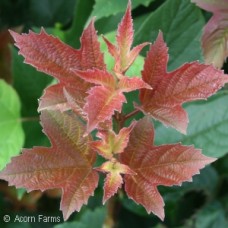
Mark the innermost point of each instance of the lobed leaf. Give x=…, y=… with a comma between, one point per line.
x=111, y=143
x=113, y=180
x=66, y=165
x=51, y=56
x=109, y=95
x=192, y=81
x=157, y=165
x=122, y=53
x=208, y=133
x=47, y=54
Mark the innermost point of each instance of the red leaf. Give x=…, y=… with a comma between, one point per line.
x=111, y=143
x=58, y=97
x=105, y=99
x=215, y=36
x=211, y=5
x=47, y=54
x=66, y=165
x=145, y=194
x=122, y=53
x=54, y=99
x=99, y=77
x=157, y=165
x=90, y=54
x=114, y=180
x=51, y=56
x=130, y=84
x=101, y=104
x=192, y=81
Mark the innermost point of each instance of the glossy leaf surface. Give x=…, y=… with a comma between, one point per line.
x=192, y=81
x=109, y=94
x=111, y=143
x=167, y=165
x=66, y=165
x=122, y=53
x=113, y=180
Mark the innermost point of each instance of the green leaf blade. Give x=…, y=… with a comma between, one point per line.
x=181, y=24
x=11, y=134
x=208, y=127
x=114, y=7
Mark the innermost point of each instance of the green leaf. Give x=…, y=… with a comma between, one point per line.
x=48, y=12
x=14, y=13
x=211, y=216
x=82, y=11
x=133, y=207
x=108, y=24
x=182, y=23
x=89, y=218
x=222, y=165
x=104, y=8
x=207, y=130
x=11, y=134
x=207, y=182
x=20, y=193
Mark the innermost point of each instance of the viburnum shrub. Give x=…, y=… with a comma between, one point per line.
x=88, y=99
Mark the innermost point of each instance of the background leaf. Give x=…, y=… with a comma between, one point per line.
x=11, y=134
x=210, y=216
x=208, y=127
x=181, y=24
x=72, y=36
x=48, y=12
x=96, y=218
x=105, y=8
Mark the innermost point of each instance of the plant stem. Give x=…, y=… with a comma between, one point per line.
x=129, y=115
x=109, y=220
x=32, y=118
x=113, y=204
x=119, y=118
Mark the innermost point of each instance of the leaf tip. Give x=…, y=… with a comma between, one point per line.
x=15, y=35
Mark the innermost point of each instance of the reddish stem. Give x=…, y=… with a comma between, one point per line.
x=32, y=118
x=129, y=115
x=113, y=205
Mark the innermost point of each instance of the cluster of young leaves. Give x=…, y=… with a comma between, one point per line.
x=87, y=97
x=215, y=35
